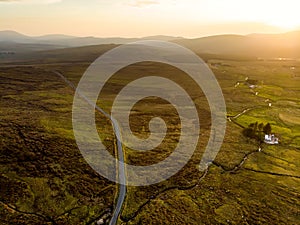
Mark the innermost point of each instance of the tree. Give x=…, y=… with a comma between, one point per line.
x=260, y=127
x=247, y=132
x=267, y=129
x=260, y=131
x=254, y=130
x=251, y=131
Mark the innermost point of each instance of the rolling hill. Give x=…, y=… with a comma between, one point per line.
x=256, y=45
x=285, y=45
x=60, y=40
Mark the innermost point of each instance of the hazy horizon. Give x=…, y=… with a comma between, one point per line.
x=167, y=35
x=141, y=18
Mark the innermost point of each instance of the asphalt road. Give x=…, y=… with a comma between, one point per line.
x=121, y=165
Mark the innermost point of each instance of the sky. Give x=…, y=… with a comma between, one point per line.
x=139, y=18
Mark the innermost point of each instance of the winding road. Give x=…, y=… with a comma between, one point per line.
x=121, y=164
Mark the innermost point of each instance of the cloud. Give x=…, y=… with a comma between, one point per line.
x=30, y=1
x=142, y=3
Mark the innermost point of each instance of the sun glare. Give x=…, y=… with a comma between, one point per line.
x=189, y=18
x=281, y=14
x=284, y=23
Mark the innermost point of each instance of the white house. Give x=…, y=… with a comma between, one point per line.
x=271, y=139
x=252, y=86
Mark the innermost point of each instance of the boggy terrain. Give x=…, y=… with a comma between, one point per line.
x=45, y=180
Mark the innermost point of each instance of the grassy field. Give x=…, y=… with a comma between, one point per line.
x=243, y=186
x=44, y=179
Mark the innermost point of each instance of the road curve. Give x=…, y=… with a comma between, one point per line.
x=121, y=164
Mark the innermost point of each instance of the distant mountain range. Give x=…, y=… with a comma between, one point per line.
x=9, y=38
x=285, y=45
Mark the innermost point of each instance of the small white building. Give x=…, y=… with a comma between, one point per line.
x=252, y=86
x=271, y=139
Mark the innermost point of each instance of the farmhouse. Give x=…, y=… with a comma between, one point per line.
x=271, y=139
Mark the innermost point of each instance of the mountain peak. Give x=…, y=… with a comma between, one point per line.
x=13, y=36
